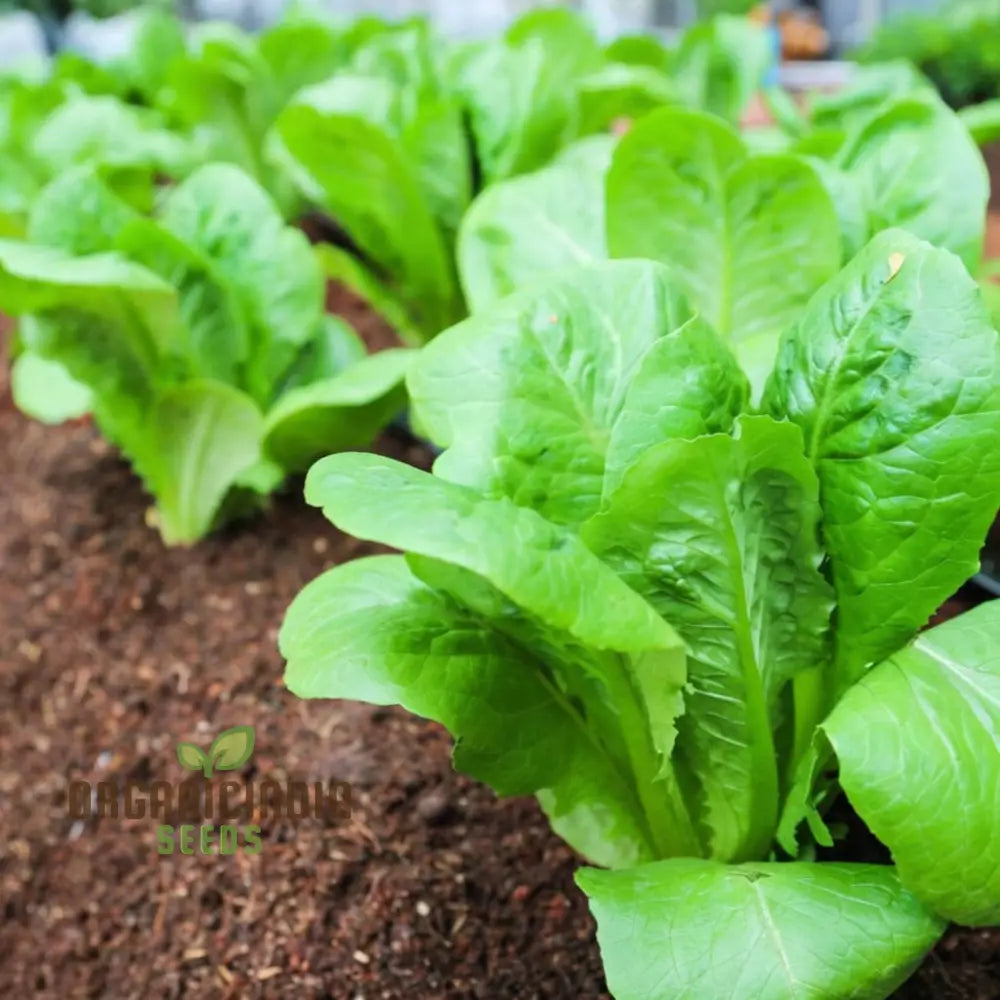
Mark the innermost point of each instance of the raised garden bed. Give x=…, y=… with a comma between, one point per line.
x=114, y=646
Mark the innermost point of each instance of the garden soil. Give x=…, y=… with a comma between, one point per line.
x=113, y=649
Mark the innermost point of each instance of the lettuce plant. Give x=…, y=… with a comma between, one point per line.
x=688, y=624
x=196, y=338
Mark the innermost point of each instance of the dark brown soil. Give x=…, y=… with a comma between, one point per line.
x=376, y=334
x=113, y=649
x=991, y=154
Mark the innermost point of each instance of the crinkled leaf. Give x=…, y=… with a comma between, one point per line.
x=687, y=384
x=892, y=374
x=79, y=213
x=41, y=280
x=106, y=131
x=213, y=340
x=719, y=534
x=223, y=91
x=525, y=398
x=107, y=321
x=553, y=575
x=690, y=930
x=544, y=572
x=223, y=213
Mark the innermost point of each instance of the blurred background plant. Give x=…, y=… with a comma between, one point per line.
x=957, y=47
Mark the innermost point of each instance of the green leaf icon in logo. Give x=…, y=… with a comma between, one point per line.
x=230, y=749
x=192, y=757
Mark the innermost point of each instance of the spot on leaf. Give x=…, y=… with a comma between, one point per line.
x=895, y=263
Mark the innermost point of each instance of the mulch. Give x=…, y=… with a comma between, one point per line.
x=113, y=649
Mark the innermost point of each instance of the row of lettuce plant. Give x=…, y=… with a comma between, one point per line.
x=156, y=281
x=420, y=162
x=397, y=105
x=750, y=232
x=692, y=512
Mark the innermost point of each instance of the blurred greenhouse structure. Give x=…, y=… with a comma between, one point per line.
x=848, y=21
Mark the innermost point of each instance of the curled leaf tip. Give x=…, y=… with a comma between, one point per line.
x=895, y=263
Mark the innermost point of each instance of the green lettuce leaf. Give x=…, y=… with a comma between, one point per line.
x=106, y=131
x=918, y=742
x=203, y=435
x=222, y=212
x=107, y=321
x=223, y=93
x=561, y=593
x=370, y=630
x=690, y=930
x=896, y=158
x=300, y=52
x=619, y=93
x=79, y=212
x=521, y=229
x=640, y=50
x=749, y=237
x=520, y=93
x=331, y=350
x=720, y=64
x=344, y=411
x=983, y=121
x=359, y=173
x=157, y=42
x=546, y=584
x=45, y=391
x=719, y=534
x=526, y=398
x=869, y=90
x=687, y=384
x=214, y=338
x=892, y=364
